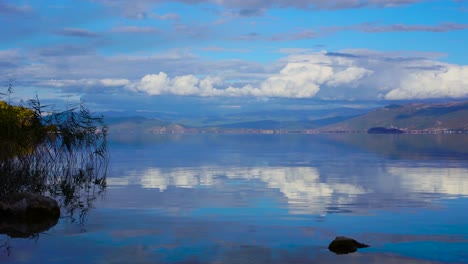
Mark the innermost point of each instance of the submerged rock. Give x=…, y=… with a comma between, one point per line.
x=27, y=214
x=345, y=245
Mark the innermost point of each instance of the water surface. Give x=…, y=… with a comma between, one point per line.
x=268, y=199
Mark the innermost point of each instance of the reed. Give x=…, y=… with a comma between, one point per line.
x=62, y=154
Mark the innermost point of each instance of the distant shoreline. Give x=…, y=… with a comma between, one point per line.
x=282, y=132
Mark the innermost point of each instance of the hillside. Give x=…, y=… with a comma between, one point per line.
x=141, y=125
x=288, y=125
x=153, y=123
x=416, y=116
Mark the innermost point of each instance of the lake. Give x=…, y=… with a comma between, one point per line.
x=267, y=199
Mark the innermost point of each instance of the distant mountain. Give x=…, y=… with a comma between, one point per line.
x=216, y=119
x=137, y=125
x=165, y=116
x=280, y=116
x=417, y=116
x=152, y=122
x=142, y=125
x=288, y=125
x=309, y=114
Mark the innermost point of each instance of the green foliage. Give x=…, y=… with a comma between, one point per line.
x=20, y=130
x=62, y=154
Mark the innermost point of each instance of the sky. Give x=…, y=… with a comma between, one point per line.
x=206, y=56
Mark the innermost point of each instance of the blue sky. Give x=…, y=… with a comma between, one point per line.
x=143, y=54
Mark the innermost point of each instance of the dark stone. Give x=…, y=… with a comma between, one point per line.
x=27, y=214
x=345, y=245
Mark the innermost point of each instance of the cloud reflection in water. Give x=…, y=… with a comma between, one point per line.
x=449, y=181
x=302, y=186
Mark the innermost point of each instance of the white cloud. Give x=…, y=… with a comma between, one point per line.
x=114, y=82
x=302, y=77
x=348, y=76
x=452, y=82
x=297, y=79
x=86, y=83
x=154, y=84
x=157, y=84
x=343, y=75
x=185, y=85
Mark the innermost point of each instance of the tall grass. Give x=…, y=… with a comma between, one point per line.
x=62, y=154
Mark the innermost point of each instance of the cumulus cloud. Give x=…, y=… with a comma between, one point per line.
x=348, y=76
x=157, y=84
x=351, y=74
x=300, y=78
x=297, y=79
x=452, y=82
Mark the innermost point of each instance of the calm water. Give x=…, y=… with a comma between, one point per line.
x=268, y=199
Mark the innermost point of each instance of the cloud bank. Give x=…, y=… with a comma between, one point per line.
x=338, y=75
x=298, y=79
x=357, y=74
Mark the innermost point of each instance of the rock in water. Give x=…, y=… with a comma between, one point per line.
x=344, y=245
x=27, y=214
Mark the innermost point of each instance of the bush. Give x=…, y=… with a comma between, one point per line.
x=20, y=130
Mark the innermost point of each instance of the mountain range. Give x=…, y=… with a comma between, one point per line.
x=412, y=116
